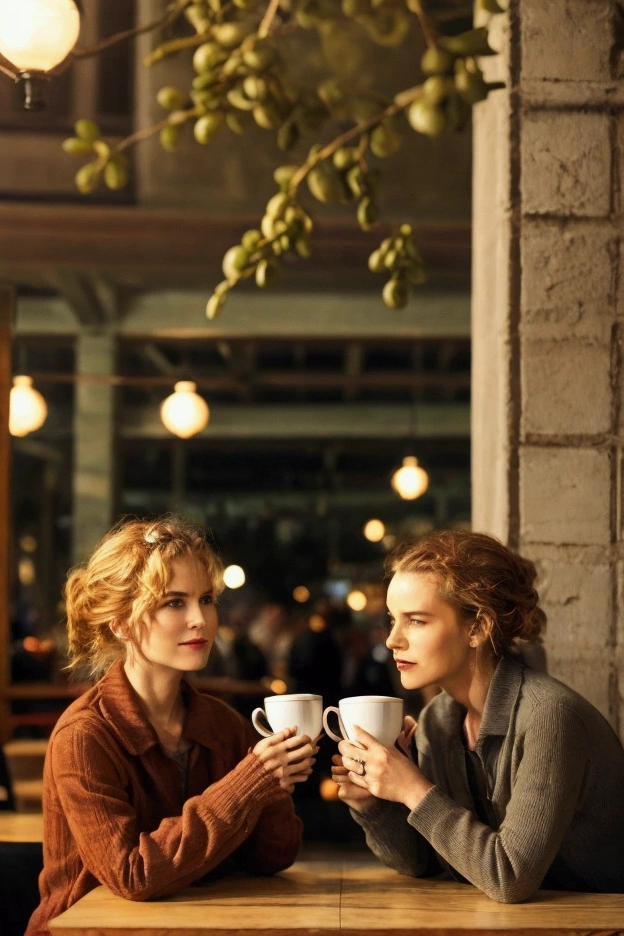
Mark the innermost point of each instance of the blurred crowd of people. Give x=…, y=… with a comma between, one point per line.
x=325, y=650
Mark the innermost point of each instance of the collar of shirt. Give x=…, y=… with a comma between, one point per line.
x=121, y=707
x=502, y=698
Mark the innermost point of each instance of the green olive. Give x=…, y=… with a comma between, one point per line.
x=88, y=178
x=385, y=140
x=234, y=261
x=206, y=128
x=207, y=56
x=74, y=146
x=171, y=98
x=267, y=274
x=325, y=184
x=117, y=172
x=426, y=118
x=437, y=61
x=169, y=138
x=86, y=129
x=395, y=293
x=214, y=306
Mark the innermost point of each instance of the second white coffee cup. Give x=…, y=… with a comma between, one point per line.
x=302, y=709
x=380, y=716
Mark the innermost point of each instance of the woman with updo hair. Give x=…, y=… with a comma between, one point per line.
x=511, y=781
x=149, y=784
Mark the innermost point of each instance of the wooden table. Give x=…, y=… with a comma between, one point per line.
x=21, y=827
x=345, y=897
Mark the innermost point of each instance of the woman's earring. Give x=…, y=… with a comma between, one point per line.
x=119, y=632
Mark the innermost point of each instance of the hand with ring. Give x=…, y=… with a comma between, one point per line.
x=385, y=773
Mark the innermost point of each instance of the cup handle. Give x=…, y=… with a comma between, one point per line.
x=333, y=708
x=262, y=727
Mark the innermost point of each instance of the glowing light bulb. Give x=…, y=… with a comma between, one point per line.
x=184, y=412
x=27, y=408
x=36, y=35
x=410, y=480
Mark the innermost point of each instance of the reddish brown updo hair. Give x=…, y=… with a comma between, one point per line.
x=490, y=586
x=125, y=579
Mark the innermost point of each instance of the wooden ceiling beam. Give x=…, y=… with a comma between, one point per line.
x=135, y=241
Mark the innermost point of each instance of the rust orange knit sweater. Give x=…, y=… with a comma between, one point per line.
x=114, y=811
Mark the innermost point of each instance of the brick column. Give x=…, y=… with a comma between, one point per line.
x=547, y=325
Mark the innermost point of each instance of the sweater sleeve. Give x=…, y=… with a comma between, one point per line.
x=275, y=840
x=510, y=863
x=394, y=841
x=90, y=781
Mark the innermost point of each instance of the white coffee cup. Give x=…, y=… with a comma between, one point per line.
x=302, y=709
x=380, y=716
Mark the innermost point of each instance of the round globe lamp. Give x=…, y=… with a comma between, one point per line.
x=410, y=480
x=27, y=408
x=35, y=37
x=184, y=412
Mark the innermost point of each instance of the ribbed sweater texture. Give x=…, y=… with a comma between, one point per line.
x=553, y=771
x=112, y=802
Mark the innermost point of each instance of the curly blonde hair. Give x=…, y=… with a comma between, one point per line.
x=123, y=580
x=490, y=586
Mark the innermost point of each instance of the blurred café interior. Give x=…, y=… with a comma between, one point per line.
x=317, y=392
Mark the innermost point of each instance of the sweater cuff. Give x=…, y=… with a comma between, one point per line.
x=244, y=792
x=427, y=813
x=377, y=811
x=255, y=782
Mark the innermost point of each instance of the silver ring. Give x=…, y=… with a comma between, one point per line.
x=361, y=763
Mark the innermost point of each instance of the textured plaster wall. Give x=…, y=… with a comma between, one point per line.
x=547, y=326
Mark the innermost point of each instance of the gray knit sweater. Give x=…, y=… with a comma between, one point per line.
x=552, y=772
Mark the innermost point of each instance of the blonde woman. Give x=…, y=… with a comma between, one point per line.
x=515, y=781
x=149, y=784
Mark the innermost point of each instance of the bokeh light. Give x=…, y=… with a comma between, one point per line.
x=317, y=623
x=234, y=576
x=374, y=531
x=328, y=789
x=301, y=594
x=357, y=600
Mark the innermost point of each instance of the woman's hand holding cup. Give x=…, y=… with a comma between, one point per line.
x=291, y=725
x=354, y=796
x=288, y=756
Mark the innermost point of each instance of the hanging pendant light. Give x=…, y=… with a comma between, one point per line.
x=184, y=413
x=27, y=408
x=410, y=480
x=35, y=37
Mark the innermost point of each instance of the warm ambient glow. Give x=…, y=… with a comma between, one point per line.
x=410, y=480
x=27, y=408
x=328, y=789
x=357, y=600
x=234, y=576
x=36, y=35
x=184, y=413
x=301, y=594
x=374, y=531
x=278, y=686
x=317, y=623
